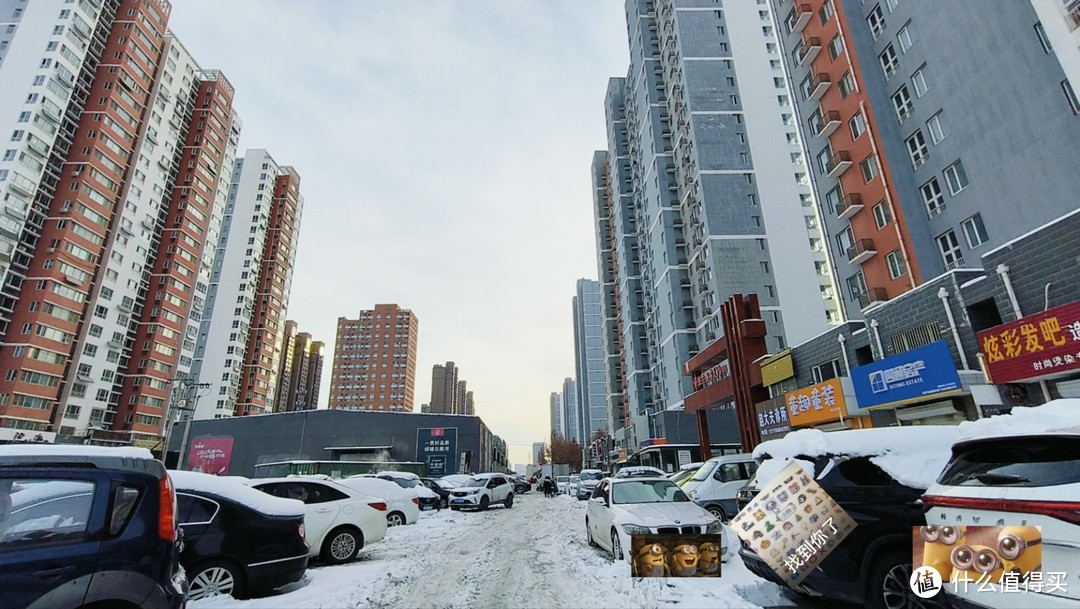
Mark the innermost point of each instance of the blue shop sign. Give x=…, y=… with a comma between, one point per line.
x=911, y=375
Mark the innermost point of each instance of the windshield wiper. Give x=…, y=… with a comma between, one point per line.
x=993, y=479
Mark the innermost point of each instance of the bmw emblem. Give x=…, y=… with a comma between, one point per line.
x=677, y=522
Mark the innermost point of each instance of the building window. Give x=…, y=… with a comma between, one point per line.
x=904, y=38
x=847, y=85
x=889, y=61
x=836, y=47
x=1043, y=40
x=891, y=4
x=832, y=199
x=823, y=160
x=857, y=124
x=955, y=177
x=936, y=128
x=933, y=197
x=876, y=21
x=869, y=168
x=917, y=149
x=918, y=80
x=845, y=240
x=826, y=371
x=1070, y=95
x=856, y=285
x=950, y=250
x=881, y=214
x=975, y=231
x=902, y=103
x=896, y=264
x=825, y=12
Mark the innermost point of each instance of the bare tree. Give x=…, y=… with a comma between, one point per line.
x=565, y=451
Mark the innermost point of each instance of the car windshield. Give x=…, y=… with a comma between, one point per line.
x=475, y=483
x=404, y=482
x=1022, y=462
x=704, y=471
x=647, y=491
x=678, y=477
x=591, y=475
x=445, y=484
x=563, y=478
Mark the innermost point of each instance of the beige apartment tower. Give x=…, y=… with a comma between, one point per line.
x=375, y=360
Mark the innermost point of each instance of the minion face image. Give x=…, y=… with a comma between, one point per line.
x=649, y=561
x=708, y=559
x=974, y=563
x=683, y=560
x=938, y=543
x=1020, y=549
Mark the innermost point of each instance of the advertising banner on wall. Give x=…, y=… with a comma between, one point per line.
x=773, y=420
x=1034, y=346
x=436, y=447
x=925, y=371
x=210, y=455
x=816, y=403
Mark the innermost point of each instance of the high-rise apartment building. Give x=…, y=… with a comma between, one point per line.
x=705, y=194
x=570, y=414
x=470, y=405
x=113, y=187
x=555, y=403
x=375, y=360
x=589, y=358
x=444, y=383
x=1058, y=30
x=924, y=159
x=611, y=284
x=300, y=370
x=537, y=451
x=240, y=340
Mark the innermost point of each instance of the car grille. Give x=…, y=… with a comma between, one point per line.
x=460, y=494
x=677, y=530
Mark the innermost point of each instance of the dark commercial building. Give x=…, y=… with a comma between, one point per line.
x=441, y=443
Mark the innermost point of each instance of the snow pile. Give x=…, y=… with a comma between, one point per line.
x=236, y=491
x=73, y=450
x=402, y=475
x=913, y=456
x=1056, y=415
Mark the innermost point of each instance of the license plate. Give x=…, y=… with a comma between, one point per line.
x=425, y=507
x=457, y=501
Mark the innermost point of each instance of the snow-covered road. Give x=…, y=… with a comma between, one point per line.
x=533, y=555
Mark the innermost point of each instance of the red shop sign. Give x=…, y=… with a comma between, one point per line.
x=1034, y=346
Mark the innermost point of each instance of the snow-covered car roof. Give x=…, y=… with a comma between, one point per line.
x=1056, y=417
x=402, y=475
x=235, y=490
x=617, y=480
x=639, y=470
x=692, y=466
x=73, y=450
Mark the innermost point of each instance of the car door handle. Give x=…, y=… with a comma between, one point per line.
x=324, y=510
x=54, y=573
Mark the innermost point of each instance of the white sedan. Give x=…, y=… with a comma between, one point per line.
x=403, y=506
x=621, y=507
x=338, y=521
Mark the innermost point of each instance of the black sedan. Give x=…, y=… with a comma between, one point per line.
x=231, y=548
x=441, y=488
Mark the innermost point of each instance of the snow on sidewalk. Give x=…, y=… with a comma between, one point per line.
x=533, y=555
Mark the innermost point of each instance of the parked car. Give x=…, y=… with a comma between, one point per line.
x=1017, y=469
x=562, y=483
x=237, y=540
x=684, y=473
x=402, y=506
x=482, y=491
x=338, y=521
x=440, y=487
x=638, y=505
x=715, y=484
x=87, y=525
x=589, y=478
x=426, y=498
x=521, y=485
x=572, y=488
x=640, y=471
x=457, y=479
x=877, y=476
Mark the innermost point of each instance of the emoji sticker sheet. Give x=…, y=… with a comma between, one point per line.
x=792, y=524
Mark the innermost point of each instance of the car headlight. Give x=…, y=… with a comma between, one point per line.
x=636, y=529
x=714, y=527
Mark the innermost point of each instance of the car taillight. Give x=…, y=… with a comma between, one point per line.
x=379, y=506
x=416, y=500
x=166, y=510
x=300, y=530
x=1069, y=511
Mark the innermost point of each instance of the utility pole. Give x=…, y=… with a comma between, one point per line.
x=197, y=391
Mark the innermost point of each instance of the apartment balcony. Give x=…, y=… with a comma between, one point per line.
x=818, y=86
x=862, y=251
x=849, y=206
x=871, y=296
x=828, y=123
x=810, y=49
x=838, y=164
x=802, y=17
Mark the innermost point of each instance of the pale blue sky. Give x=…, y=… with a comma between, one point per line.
x=444, y=150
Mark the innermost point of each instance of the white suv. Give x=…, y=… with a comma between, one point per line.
x=481, y=491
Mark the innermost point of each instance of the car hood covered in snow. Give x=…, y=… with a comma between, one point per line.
x=662, y=514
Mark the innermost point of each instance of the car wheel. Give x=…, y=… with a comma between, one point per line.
x=445, y=502
x=509, y=503
x=341, y=545
x=213, y=578
x=588, y=535
x=718, y=511
x=484, y=502
x=616, y=547
x=889, y=584
x=395, y=519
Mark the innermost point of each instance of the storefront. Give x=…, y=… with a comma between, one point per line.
x=829, y=406
x=917, y=387
x=1044, y=348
